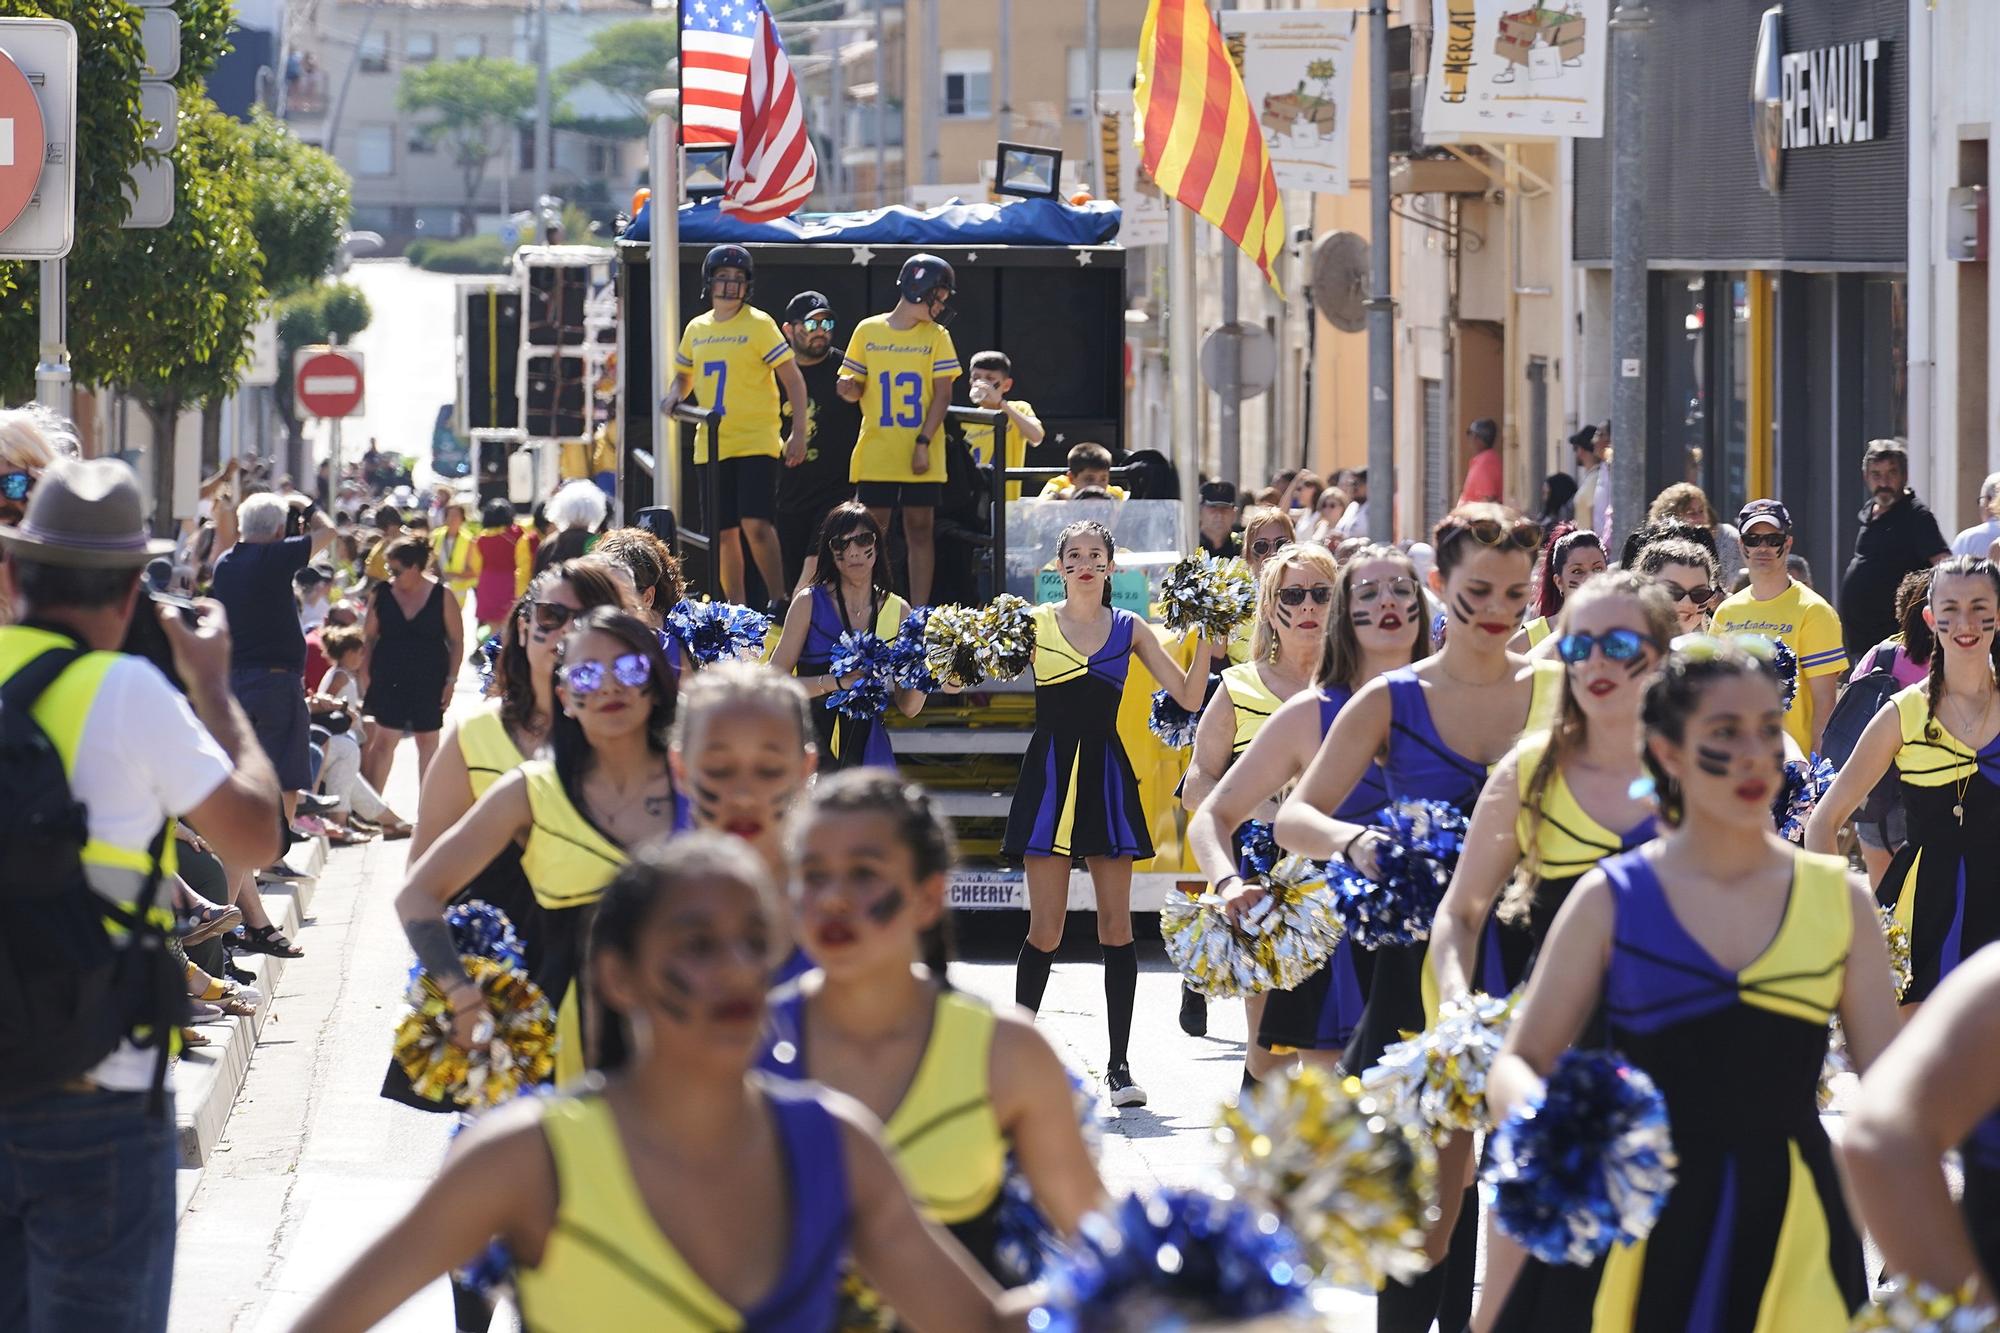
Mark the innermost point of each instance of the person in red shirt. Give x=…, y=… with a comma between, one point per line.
x=1482, y=474
x=493, y=591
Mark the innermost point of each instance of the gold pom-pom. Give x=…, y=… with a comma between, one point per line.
x=514, y=1048
x=1357, y=1186
x=1280, y=941
x=1438, y=1077
x=1004, y=641
x=951, y=646
x=1897, y=937
x=1921, y=1309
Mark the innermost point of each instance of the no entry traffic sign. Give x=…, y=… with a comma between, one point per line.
x=22, y=142
x=37, y=138
x=327, y=382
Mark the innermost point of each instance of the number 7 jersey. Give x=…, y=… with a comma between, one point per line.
x=896, y=368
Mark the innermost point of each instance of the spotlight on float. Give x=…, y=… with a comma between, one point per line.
x=706, y=174
x=1027, y=171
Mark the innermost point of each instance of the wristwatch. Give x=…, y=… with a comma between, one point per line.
x=1222, y=884
x=924, y=440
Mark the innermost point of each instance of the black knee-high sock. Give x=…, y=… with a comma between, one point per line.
x=1444, y=1294
x=1031, y=976
x=1121, y=988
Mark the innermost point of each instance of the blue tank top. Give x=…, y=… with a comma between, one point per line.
x=1372, y=792
x=806, y=1296
x=1420, y=765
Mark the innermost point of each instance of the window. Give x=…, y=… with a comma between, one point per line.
x=469, y=46
x=603, y=157
x=375, y=150
x=420, y=48
x=418, y=143
x=968, y=84
x=373, y=53
x=435, y=221
x=1115, y=69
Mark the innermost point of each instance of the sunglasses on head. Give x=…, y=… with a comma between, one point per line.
x=864, y=540
x=1619, y=645
x=1700, y=595
x=16, y=485
x=1712, y=647
x=583, y=679
x=1753, y=540
x=1522, y=536
x=550, y=616
x=1320, y=593
x=1264, y=546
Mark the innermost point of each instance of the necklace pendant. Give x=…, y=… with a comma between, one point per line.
x=1959, y=811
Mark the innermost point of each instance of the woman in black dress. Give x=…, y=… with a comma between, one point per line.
x=415, y=633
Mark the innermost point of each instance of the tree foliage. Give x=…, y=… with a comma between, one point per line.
x=300, y=206
x=321, y=312
x=467, y=103
x=628, y=60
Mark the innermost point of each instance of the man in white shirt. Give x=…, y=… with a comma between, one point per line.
x=1979, y=538
x=1592, y=446
x=1353, y=521
x=87, y=1209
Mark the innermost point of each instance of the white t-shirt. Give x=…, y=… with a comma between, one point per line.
x=1976, y=539
x=143, y=756
x=1353, y=521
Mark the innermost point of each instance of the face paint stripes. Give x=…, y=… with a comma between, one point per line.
x=672, y=981
x=707, y=802
x=1461, y=606
x=1715, y=763
x=885, y=908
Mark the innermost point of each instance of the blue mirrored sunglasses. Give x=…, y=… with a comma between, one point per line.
x=631, y=670
x=16, y=485
x=818, y=322
x=1619, y=645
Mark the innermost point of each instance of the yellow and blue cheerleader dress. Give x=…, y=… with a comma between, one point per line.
x=1078, y=795
x=607, y=1264
x=846, y=742
x=1755, y=1235
x=1944, y=886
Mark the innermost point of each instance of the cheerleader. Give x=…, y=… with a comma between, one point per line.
x=652, y=574
x=1571, y=556
x=1937, y=1087
x=1437, y=725
x=1078, y=796
x=1719, y=954
x=957, y=1086
x=742, y=754
x=1943, y=737
x=1560, y=801
x=649, y=1198
x=1687, y=571
x=605, y=788
x=848, y=592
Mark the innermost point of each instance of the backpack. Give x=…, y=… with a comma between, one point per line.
x=71, y=989
x=1858, y=704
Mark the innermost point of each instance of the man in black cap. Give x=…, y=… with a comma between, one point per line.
x=808, y=491
x=1219, y=536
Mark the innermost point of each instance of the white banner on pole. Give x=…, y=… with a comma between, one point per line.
x=1501, y=69
x=1144, y=208
x=1297, y=69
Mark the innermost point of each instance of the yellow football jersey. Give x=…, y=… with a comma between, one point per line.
x=979, y=439
x=896, y=368
x=734, y=364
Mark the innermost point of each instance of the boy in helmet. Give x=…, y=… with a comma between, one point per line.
x=741, y=357
x=899, y=367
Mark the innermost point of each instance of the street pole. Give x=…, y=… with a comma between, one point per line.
x=52, y=383
x=1381, y=306
x=542, y=112
x=1183, y=358
x=881, y=110
x=837, y=140
x=664, y=283
x=1003, y=74
x=1093, y=148
x=1229, y=384
x=1630, y=27
x=933, y=92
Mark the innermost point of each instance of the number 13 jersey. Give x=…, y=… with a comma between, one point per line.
x=895, y=368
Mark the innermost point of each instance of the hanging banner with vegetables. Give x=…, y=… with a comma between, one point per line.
x=1500, y=69
x=1297, y=68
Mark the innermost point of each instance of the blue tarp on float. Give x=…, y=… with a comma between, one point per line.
x=1026, y=222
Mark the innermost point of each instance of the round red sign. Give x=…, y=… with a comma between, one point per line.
x=328, y=384
x=21, y=142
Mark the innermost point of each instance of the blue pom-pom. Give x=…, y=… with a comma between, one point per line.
x=1438, y=626
x=1026, y=1242
x=1180, y=1258
x=719, y=631
x=487, y=662
x=907, y=666
x=1806, y=780
x=1256, y=848
x=1174, y=725
x=491, y=1272
x=1586, y=1165
x=1420, y=847
x=1788, y=671
x=858, y=653
x=480, y=929
x=865, y=700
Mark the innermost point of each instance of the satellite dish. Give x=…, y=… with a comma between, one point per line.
x=1340, y=280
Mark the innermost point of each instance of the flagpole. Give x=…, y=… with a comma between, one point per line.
x=1182, y=359
x=664, y=272
x=1381, y=305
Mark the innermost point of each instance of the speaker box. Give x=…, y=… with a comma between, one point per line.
x=490, y=389
x=555, y=396
x=556, y=294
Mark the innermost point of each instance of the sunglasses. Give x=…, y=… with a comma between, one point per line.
x=817, y=322
x=584, y=679
x=1700, y=596
x=1753, y=540
x=864, y=540
x=550, y=616
x=16, y=485
x=1264, y=546
x=1711, y=647
x=1320, y=593
x=1618, y=645
x=1521, y=536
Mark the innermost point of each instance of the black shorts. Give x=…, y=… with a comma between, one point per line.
x=904, y=494
x=275, y=704
x=749, y=489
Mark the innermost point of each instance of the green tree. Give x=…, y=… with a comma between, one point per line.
x=301, y=200
x=469, y=102
x=321, y=312
x=628, y=60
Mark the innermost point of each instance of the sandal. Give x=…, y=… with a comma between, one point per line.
x=193, y=1037
x=232, y=997
x=208, y=921
x=271, y=941
x=343, y=837
x=394, y=829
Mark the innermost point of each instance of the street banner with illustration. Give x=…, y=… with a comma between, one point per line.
x=1297, y=68
x=1144, y=208
x=1501, y=69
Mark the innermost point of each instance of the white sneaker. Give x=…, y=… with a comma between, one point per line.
x=1123, y=1091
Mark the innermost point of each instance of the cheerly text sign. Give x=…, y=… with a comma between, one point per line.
x=1830, y=96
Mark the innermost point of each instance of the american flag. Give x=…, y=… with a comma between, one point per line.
x=737, y=88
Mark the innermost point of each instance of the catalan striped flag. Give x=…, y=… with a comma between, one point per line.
x=1198, y=135
x=737, y=88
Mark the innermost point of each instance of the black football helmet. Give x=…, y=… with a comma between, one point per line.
x=727, y=256
x=922, y=278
